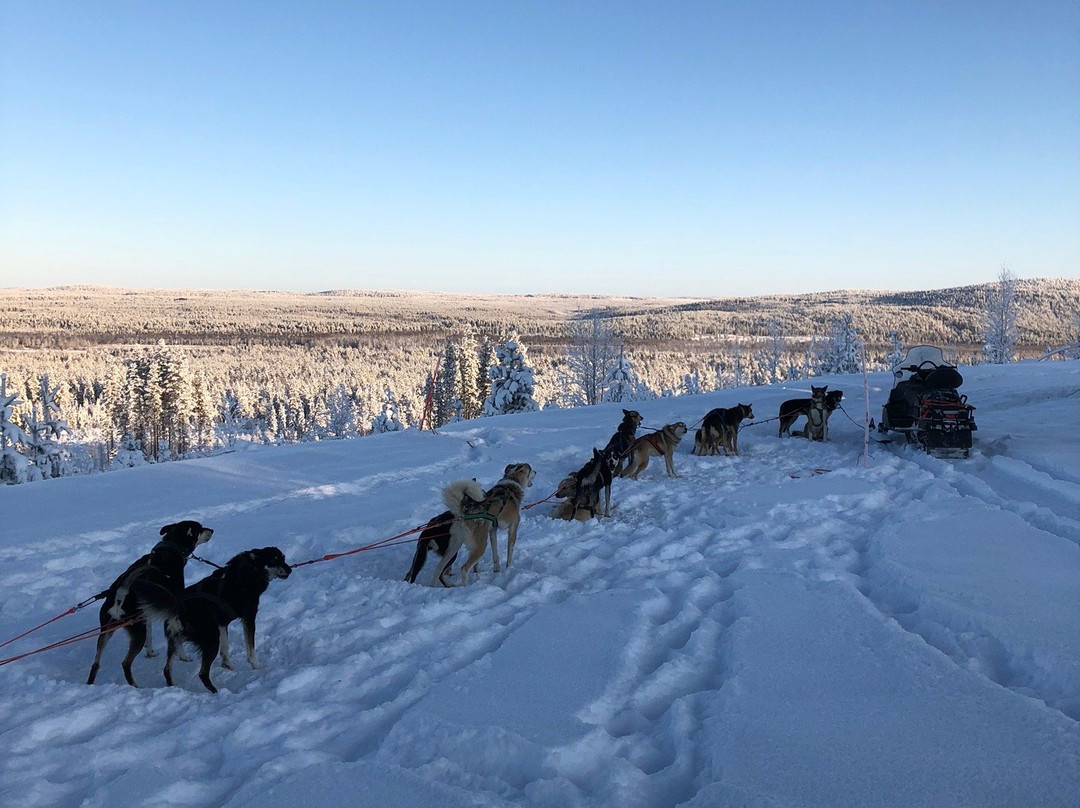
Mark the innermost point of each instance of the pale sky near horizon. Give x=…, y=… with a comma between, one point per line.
x=678, y=148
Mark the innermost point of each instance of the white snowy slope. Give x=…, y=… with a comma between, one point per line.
x=749, y=634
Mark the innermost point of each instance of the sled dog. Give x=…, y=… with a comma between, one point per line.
x=720, y=429
x=481, y=514
x=618, y=447
x=791, y=409
x=202, y=613
x=162, y=571
x=659, y=444
x=817, y=417
x=434, y=538
x=583, y=489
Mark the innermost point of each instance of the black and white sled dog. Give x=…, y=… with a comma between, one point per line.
x=793, y=408
x=434, y=538
x=202, y=613
x=720, y=430
x=582, y=490
x=618, y=447
x=160, y=573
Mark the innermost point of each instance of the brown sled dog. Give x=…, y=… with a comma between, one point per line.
x=481, y=516
x=658, y=444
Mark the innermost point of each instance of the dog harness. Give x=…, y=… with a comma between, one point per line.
x=654, y=439
x=478, y=509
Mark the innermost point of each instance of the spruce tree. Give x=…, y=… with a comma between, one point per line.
x=445, y=387
x=13, y=466
x=621, y=383
x=472, y=402
x=388, y=420
x=896, y=349
x=512, y=381
x=840, y=351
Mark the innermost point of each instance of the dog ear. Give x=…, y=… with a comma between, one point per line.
x=165, y=529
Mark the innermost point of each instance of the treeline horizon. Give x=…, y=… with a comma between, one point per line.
x=282, y=366
x=83, y=317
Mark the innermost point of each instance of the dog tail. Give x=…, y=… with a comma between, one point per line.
x=157, y=602
x=454, y=495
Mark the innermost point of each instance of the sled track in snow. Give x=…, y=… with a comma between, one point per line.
x=1044, y=501
x=954, y=632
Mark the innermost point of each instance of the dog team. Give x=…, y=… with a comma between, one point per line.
x=199, y=614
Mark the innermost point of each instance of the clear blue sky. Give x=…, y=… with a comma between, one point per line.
x=645, y=148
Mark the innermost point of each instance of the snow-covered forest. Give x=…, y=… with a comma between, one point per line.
x=104, y=378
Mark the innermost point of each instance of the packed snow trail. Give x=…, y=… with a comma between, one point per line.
x=747, y=634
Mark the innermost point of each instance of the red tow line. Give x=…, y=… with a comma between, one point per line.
x=72, y=610
x=86, y=635
x=372, y=546
x=548, y=498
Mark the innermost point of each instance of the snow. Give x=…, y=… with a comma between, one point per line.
x=752, y=633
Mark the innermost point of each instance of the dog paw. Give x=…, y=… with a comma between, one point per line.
x=150, y=654
x=226, y=664
x=256, y=665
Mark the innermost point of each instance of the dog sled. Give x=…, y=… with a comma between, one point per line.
x=924, y=406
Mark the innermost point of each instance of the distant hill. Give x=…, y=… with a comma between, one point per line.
x=80, y=316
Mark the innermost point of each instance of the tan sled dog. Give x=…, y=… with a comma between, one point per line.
x=577, y=504
x=658, y=444
x=479, y=520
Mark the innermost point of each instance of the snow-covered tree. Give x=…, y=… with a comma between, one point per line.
x=43, y=430
x=38, y=446
x=200, y=417
x=343, y=416
x=731, y=369
x=485, y=361
x=512, y=381
x=170, y=377
x=594, y=350
x=840, y=351
x=622, y=383
x=233, y=421
x=691, y=385
x=1074, y=346
x=387, y=420
x=1002, y=308
x=13, y=466
x=445, y=386
x=472, y=401
x=771, y=359
x=129, y=454
x=51, y=456
x=896, y=349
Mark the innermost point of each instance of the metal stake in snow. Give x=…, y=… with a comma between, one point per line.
x=866, y=399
